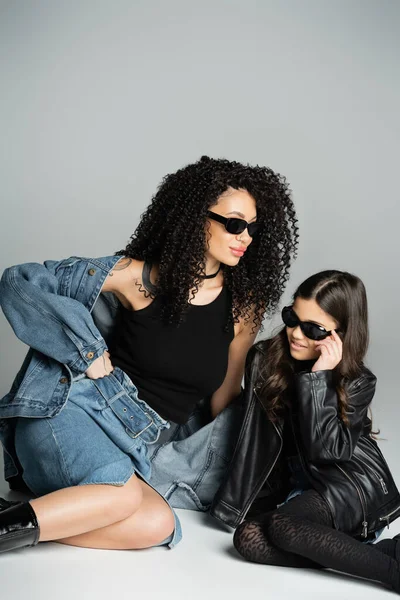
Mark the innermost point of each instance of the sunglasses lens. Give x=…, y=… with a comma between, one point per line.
x=313, y=332
x=235, y=226
x=253, y=229
x=289, y=317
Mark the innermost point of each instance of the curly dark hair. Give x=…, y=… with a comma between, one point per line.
x=172, y=234
x=342, y=296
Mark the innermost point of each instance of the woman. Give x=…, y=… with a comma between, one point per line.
x=123, y=349
x=328, y=491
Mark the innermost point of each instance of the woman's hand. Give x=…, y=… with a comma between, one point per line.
x=331, y=353
x=101, y=367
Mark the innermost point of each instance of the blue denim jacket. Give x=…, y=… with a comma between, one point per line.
x=59, y=311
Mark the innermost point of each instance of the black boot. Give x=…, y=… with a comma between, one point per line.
x=390, y=547
x=18, y=527
x=4, y=504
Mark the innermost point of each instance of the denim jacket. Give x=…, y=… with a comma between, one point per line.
x=59, y=311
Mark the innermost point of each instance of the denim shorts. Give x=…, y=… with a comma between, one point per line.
x=101, y=436
x=189, y=462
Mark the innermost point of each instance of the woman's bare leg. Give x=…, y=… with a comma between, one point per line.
x=77, y=510
x=152, y=523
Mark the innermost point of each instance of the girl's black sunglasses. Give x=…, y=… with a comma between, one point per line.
x=310, y=330
x=235, y=225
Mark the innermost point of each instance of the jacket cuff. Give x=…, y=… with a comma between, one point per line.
x=87, y=357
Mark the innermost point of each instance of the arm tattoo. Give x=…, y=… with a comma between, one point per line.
x=121, y=265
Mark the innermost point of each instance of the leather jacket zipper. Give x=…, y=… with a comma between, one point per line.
x=362, y=501
x=387, y=517
x=280, y=439
x=273, y=464
x=376, y=448
x=278, y=453
x=381, y=481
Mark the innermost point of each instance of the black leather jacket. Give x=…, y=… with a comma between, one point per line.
x=343, y=463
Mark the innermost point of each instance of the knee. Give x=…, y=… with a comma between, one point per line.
x=246, y=537
x=160, y=526
x=148, y=528
x=124, y=500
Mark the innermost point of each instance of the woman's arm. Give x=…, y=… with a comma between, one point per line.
x=326, y=438
x=238, y=350
x=36, y=300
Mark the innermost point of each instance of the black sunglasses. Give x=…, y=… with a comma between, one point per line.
x=235, y=225
x=310, y=330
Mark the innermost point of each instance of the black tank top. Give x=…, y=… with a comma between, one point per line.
x=174, y=367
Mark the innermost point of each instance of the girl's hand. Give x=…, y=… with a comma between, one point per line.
x=101, y=367
x=331, y=353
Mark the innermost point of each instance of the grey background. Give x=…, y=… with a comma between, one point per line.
x=100, y=99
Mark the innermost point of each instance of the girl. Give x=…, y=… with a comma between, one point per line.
x=123, y=348
x=328, y=491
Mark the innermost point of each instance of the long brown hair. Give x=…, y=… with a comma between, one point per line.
x=343, y=297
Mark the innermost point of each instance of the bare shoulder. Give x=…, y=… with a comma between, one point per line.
x=126, y=271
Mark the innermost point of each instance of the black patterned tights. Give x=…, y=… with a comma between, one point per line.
x=301, y=534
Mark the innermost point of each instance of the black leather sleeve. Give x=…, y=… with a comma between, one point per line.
x=251, y=461
x=325, y=437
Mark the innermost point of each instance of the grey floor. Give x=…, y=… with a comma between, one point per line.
x=100, y=99
x=203, y=566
